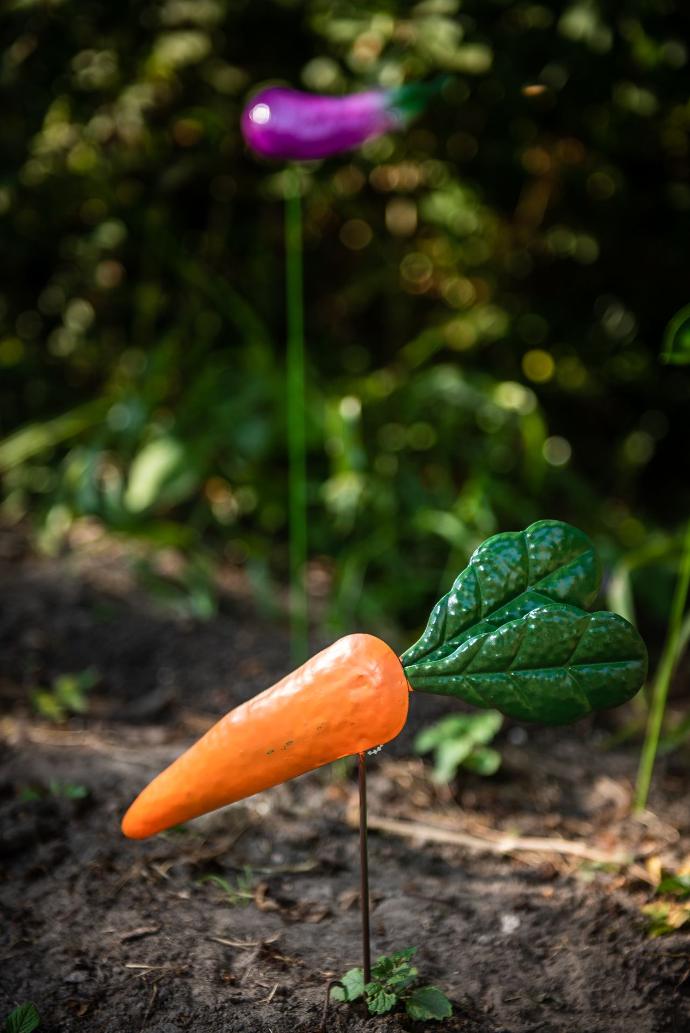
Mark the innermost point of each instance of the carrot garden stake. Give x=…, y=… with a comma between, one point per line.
x=347, y=699
x=289, y=125
x=512, y=634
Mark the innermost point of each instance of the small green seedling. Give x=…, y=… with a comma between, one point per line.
x=59, y=790
x=24, y=1019
x=393, y=980
x=461, y=740
x=189, y=592
x=239, y=895
x=671, y=914
x=665, y=917
x=677, y=885
x=67, y=695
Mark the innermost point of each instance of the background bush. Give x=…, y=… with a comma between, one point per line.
x=487, y=292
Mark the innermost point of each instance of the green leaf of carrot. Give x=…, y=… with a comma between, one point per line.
x=553, y=665
x=506, y=577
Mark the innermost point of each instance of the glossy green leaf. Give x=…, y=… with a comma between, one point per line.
x=506, y=577
x=554, y=665
x=676, y=349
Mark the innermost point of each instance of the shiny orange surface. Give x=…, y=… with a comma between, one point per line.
x=346, y=699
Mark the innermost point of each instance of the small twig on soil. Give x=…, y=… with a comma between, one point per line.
x=501, y=844
x=250, y=964
x=267, y=1000
x=137, y=934
x=245, y=944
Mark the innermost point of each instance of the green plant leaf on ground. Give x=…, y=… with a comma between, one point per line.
x=509, y=575
x=352, y=986
x=238, y=895
x=67, y=695
x=379, y=1001
x=392, y=983
x=24, y=1019
x=678, y=885
x=554, y=665
x=65, y=790
x=664, y=917
x=68, y=790
x=428, y=1003
x=484, y=761
x=388, y=965
x=460, y=740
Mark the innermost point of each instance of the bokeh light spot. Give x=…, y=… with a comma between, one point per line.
x=356, y=234
x=538, y=365
x=557, y=451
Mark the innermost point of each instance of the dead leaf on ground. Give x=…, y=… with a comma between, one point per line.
x=348, y=899
x=310, y=911
x=263, y=900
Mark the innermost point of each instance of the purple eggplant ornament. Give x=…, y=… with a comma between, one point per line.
x=291, y=125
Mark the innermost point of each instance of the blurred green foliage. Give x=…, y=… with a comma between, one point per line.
x=67, y=695
x=462, y=740
x=486, y=293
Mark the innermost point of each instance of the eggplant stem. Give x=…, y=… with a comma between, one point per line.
x=296, y=408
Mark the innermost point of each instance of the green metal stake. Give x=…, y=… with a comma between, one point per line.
x=296, y=405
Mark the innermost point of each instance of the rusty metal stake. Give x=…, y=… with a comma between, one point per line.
x=364, y=869
x=363, y=890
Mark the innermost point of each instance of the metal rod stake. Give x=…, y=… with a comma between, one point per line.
x=364, y=869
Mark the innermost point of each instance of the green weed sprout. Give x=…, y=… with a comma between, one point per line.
x=58, y=790
x=238, y=895
x=393, y=983
x=67, y=695
x=461, y=740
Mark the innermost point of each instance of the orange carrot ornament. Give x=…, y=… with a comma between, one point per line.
x=512, y=633
x=347, y=699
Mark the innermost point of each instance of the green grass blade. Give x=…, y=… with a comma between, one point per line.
x=673, y=647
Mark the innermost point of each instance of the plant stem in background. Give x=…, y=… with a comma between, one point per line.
x=673, y=648
x=296, y=404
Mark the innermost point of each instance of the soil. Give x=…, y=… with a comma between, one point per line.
x=107, y=935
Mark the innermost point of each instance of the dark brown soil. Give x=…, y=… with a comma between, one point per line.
x=108, y=935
